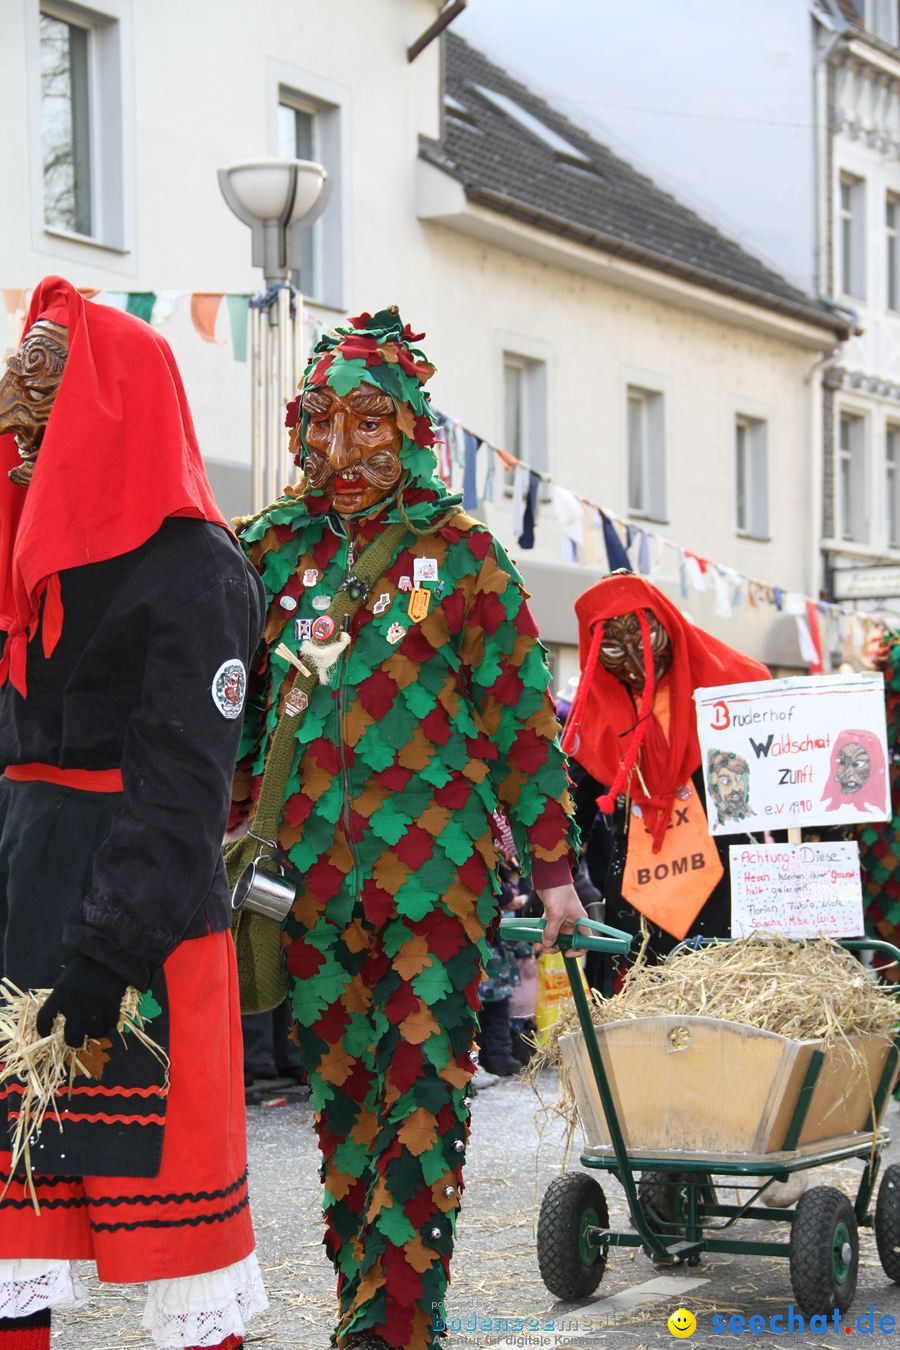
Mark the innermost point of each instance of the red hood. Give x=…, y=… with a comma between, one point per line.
x=119, y=456
x=604, y=718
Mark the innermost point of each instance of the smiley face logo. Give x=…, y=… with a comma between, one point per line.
x=682, y=1323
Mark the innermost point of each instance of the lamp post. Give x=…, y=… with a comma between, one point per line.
x=277, y=198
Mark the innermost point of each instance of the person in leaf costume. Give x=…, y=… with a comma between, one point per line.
x=879, y=844
x=434, y=716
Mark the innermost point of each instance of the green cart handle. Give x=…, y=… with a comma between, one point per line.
x=601, y=938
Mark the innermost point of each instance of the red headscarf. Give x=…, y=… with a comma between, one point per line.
x=872, y=792
x=605, y=732
x=119, y=456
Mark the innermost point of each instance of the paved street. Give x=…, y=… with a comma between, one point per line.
x=495, y=1272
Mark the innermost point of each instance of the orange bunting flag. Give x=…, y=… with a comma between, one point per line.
x=204, y=310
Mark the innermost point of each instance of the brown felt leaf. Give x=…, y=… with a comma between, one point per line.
x=388, y=352
x=379, y=1198
x=476, y=770
x=355, y=937
x=335, y=1066
x=356, y=724
x=412, y=958
x=417, y=1255
x=456, y=1075
x=370, y=800
x=492, y=580
x=94, y=1057
x=417, y=752
x=314, y=778
x=389, y=872
x=435, y=819
x=401, y=669
x=406, y=423
x=445, y=1203
x=365, y=1128
x=418, y=1132
x=338, y=1183
x=418, y=1026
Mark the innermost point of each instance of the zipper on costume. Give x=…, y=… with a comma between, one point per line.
x=342, y=745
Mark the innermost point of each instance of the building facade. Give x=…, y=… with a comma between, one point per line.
x=582, y=319
x=780, y=122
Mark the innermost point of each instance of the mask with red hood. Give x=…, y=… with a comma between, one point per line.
x=116, y=456
x=644, y=741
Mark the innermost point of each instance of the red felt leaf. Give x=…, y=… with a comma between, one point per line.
x=402, y=1003
x=415, y=847
x=302, y=960
x=405, y=1066
x=404, y=1283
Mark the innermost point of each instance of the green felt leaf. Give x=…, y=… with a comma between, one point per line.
x=375, y=754
x=358, y=1035
x=395, y=1226
x=418, y=699
x=344, y=376
x=433, y=1164
x=437, y=1049
x=433, y=983
x=352, y=1157
x=395, y=936
x=414, y=904
x=487, y=672
x=390, y=822
x=533, y=671
x=320, y=1092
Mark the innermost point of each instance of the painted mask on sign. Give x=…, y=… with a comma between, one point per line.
x=28, y=390
x=853, y=767
x=729, y=784
x=353, y=447
x=622, y=654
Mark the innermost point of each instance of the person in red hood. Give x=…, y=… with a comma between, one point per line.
x=633, y=731
x=128, y=616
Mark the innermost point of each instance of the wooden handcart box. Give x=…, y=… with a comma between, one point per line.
x=704, y=1087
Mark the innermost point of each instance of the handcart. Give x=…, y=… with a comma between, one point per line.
x=802, y=1118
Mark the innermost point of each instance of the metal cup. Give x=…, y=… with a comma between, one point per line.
x=262, y=892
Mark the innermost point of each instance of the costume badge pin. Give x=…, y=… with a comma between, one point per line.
x=405, y=584
x=381, y=603
x=323, y=628
x=310, y=576
x=288, y=602
x=321, y=602
x=396, y=633
x=304, y=629
x=424, y=569
x=229, y=687
x=419, y=604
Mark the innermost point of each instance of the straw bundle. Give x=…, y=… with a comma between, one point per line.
x=806, y=990
x=46, y=1066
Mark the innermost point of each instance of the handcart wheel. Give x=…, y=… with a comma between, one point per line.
x=887, y=1223
x=663, y=1200
x=824, y=1251
x=570, y=1267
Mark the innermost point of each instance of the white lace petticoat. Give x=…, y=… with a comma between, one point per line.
x=191, y=1310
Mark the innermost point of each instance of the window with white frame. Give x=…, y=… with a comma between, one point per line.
x=852, y=516
x=81, y=123
x=646, y=453
x=853, y=236
x=309, y=129
x=751, y=476
x=892, y=486
x=892, y=248
x=881, y=17
x=525, y=414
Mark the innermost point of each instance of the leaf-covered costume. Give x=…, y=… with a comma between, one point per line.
x=401, y=761
x=879, y=844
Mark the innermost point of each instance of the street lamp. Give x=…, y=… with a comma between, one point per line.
x=277, y=198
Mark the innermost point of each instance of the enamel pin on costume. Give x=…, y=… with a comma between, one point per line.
x=419, y=604
x=396, y=633
x=382, y=603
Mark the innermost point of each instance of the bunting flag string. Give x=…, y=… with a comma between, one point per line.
x=589, y=530
x=158, y=308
